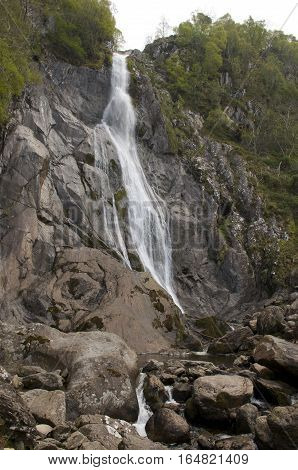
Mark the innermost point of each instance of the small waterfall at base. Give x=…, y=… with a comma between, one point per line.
x=144, y=411
x=148, y=221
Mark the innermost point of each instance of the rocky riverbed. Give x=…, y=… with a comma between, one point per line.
x=78, y=390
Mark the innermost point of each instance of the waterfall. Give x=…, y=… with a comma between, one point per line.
x=147, y=218
x=145, y=412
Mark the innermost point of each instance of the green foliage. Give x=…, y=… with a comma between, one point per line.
x=83, y=32
x=16, y=46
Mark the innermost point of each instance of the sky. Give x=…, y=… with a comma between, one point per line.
x=139, y=19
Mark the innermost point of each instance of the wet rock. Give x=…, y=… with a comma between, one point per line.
x=154, y=392
x=231, y=342
x=168, y=427
x=47, y=407
x=276, y=392
x=43, y=380
x=236, y=443
x=214, y=397
x=245, y=420
x=152, y=366
x=168, y=379
x=279, y=355
x=201, y=369
x=182, y=392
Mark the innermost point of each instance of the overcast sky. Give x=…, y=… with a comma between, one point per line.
x=138, y=19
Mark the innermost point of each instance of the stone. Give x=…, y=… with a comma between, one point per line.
x=263, y=435
x=283, y=424
x=246, y=417
x=154, y=392
x=242, y=361
x=44, y=429
x=95, y=445
x=231, y=342
x=205, y=440
x=262, y=371
x=75, y=441
x=168, y=379
x=24, y=370
x=279, y=355
x=62, y=432
x=276, y=392
x=168, y=427
x=271, y=321
x=132, y=442
x=214, y=397
x=15, y=415
x=47, y=407
x=105, y=434
x=152, y=365
x=182, y=392
x=44, y=380
x=48, y=444
x=236, y=443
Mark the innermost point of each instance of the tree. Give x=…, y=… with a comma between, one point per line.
x=163, y=29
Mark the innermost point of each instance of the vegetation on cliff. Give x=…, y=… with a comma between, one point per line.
x=81, y=32
x=242, y=78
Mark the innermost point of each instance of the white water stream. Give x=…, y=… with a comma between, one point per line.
x=145, y=412
x=147, y=217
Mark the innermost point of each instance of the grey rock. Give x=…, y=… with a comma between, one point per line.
x=154, y=392
x=45, y=380
x=236, y=443
x=43, y=429
x=246, y=417
x=47, y=407
x=214, y=397
x=231, y=342
x=276, y=392
x=182, y=392
x=279, y=355
x=168, y=427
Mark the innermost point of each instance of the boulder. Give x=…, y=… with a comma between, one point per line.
x=262, y=371
x=276, y=392
x=44, y=429
x=101, y=370
x=168, y=427
x=263, y=435
x=279, y=355
x=154, y=392
x=214, y=397
x=152, y=365
x=205, y=440
x=47, y=407
x=75, y=441
x=15, y=415
x=48, y=444
x=283, y=424
x=132, y=442
x=245, y=420
x=182, y=392
x=43, y=380
x=231, y=342
x=236, y=443
x=271, y=321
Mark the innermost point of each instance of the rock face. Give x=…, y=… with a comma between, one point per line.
x=168, y=427
x=214, y=397
x=278, y=430
x=279, y=355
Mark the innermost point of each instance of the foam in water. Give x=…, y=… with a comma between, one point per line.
x=144, y=411
x=147, y=218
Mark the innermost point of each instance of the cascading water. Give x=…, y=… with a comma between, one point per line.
x=148, y=223
x=144, y=410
